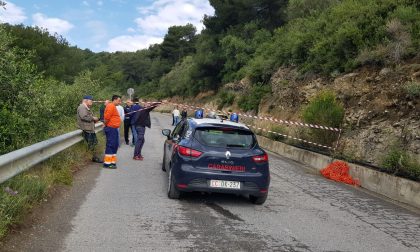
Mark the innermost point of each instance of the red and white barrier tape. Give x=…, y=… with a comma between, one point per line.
x=290, y=137
x=258, y=128
x=133, y=102
x=154, y=105
x=262, y=118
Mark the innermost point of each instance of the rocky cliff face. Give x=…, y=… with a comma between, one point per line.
x=380, y=112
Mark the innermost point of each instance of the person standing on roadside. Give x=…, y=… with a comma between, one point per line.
x=112, y=122
x=136, y=107
x=127, y=120
x=142, y=120
x=173, y=118
x=86, y=122
x=184, y=114
x=176, y=114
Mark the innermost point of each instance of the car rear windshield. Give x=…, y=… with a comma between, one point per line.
x=225, y=137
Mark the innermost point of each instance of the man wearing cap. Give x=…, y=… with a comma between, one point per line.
x=112, y=122
x=86, y=122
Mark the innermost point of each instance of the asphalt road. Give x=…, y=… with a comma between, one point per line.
x=127, y=210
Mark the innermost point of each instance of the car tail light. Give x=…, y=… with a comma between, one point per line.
x=260, y=159
x=184, y=151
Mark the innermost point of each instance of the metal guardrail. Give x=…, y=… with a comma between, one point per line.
x=15, y=162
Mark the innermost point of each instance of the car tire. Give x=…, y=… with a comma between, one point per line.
x=173, y=192
x=163, y=164
x=258, y=200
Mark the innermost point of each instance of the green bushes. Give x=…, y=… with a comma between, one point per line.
x=225, y=99
x=412, y=89
x=331, y=40
x=252, y=100
x=31, y=105
x=277, y=129
x=178, y=81
x=398, y=44
x=398, y=162
x=325, y=110
x=304, y=8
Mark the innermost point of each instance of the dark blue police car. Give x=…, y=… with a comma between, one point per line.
x=215, y=155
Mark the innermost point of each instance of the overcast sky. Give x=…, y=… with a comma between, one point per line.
x=107, y=25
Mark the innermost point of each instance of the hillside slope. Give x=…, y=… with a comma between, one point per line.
x=379, y=111
x=382, y=107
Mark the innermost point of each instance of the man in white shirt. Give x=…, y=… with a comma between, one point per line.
x=176, y=115
x=122, y=116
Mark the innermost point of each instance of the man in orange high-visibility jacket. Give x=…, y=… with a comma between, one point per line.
x=112, y=124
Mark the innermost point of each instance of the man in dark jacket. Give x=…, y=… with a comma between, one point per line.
x=133, y=114
x=184, y=114
x=127, y=120
x=142, y=120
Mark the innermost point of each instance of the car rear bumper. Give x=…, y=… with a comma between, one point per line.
x=190, y=179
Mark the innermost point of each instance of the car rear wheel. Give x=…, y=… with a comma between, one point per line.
x=163, y=161
x=258, y=200
x=163, y=164
x=173, y=192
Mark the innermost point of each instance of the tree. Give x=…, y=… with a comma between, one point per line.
x=52, y=54
x=304, y=8
x=208, y=63
x=229, y=13
x=178, y=42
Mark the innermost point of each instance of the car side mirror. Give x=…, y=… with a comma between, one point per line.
x=167, y=133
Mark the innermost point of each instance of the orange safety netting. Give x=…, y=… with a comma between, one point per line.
x=339, y=171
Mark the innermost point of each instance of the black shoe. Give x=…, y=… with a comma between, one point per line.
x=97, y=160
x=126, y=143
x=110, y=167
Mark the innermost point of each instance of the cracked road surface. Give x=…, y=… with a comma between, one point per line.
x=127, y=210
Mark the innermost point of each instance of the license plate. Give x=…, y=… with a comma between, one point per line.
x=225, y=184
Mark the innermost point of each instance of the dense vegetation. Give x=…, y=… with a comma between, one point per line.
x=254, y=38
x=42, y=77
x=31, y=105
